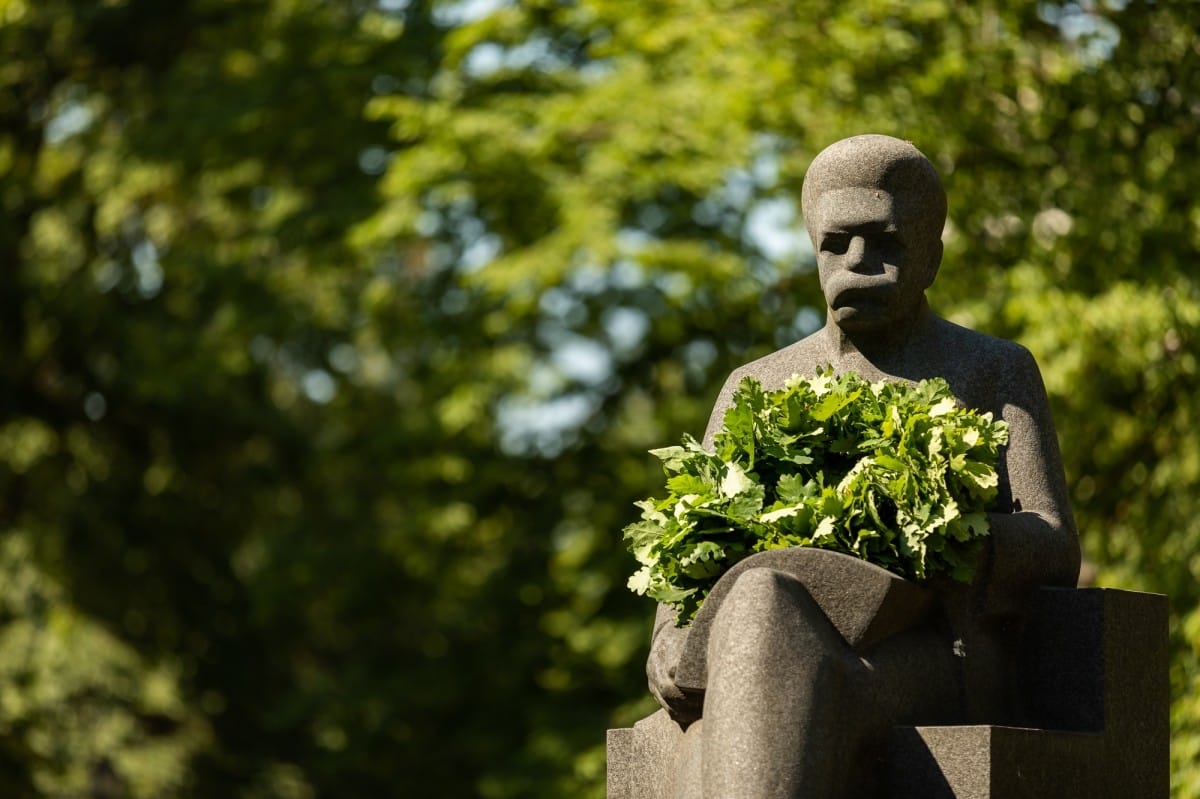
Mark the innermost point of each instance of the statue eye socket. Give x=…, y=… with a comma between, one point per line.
x=836, y=243
x=890, y=243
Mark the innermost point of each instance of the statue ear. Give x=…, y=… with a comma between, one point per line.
x=935, y=261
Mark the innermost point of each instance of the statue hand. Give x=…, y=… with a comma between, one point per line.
x=1025, y=550
x=665, y=650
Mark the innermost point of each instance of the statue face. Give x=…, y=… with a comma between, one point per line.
x=874, y=263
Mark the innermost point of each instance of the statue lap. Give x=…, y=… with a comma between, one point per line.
x=793, y=697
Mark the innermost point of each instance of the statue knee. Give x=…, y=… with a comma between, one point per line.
x=773, y=610
x=760, y=595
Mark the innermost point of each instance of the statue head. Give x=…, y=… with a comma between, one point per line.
x=874, y=207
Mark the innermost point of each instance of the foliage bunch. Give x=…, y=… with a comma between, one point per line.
x=897, y=475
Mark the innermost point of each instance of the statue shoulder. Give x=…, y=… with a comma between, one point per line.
x=804, y=357
x=772, y=370
x=986, y=371
x=964, y=338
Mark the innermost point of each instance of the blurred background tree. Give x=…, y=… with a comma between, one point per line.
x=333, y=334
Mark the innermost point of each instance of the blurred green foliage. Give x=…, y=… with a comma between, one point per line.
x=333, y=334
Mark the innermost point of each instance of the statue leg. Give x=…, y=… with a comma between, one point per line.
x=779, y=709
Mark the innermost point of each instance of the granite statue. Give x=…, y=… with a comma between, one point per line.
x=799, y=666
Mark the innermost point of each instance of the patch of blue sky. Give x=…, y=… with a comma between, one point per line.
x=464, y=11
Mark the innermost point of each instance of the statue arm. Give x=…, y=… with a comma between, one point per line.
x=667, y=640
x=724, y=403
x=1033, y=539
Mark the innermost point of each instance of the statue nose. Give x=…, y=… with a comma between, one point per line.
x=859, y=256
x=863, y=257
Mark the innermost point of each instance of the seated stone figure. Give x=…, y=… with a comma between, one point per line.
x=789, y=707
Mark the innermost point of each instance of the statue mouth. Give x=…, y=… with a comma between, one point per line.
x=865, y=295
